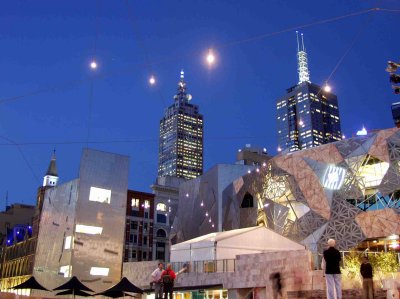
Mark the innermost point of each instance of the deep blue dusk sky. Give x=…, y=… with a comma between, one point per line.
x=48, y=44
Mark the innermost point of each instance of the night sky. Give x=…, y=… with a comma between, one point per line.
x=49, y=96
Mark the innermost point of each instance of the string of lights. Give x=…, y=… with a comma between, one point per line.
x=149, y=66
x=210, y=55
x=363, y=28
x=12, y=142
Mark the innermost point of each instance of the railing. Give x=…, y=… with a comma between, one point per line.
x=213, y=266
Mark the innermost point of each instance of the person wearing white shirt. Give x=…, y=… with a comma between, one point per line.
x=156, y=276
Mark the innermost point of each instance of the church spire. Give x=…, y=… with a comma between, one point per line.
x=51, y=177
x=302, y=60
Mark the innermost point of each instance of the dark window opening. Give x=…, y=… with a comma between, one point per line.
x=161, y=233
x=161, y=218
x=247, y=201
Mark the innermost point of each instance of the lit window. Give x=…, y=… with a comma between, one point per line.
x=334, y=177
x=146, y=204
x=86, y=229
x=68, y=241
x=135, y=203
x=99, y=271
x=65, y=270
x=100, y=195
x=161, y=207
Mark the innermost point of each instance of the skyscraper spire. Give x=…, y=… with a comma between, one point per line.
x=302, y=61
x=181, y=137
x=182, y=96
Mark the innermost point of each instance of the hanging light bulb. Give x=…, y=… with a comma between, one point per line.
x=212, y=225
x=93, y=65
x=206, y=214
x=209, y=220
x=152, y=80
x=249, y=171
x=264, y=164
x=301, y=123
x=187, y=194
x=327, y=88
x=201, y=204
x=210, y=57
x=258, y=169
x=279, y=149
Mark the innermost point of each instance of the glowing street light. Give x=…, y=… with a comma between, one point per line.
x=210, y=57
x=93, y=65
x=152, y=80
x=327, y=88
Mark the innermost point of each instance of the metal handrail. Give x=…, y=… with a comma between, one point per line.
x=206, y=266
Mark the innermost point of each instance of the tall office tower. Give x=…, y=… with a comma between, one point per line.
x=308, y=115
x=181, y=137
x=396, y=114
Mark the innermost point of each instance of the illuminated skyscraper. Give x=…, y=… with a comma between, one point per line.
x=396, y=114
x=307, y=115
x=181, y=137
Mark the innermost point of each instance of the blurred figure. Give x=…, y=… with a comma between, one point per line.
x=332, y=271
x=276, y=285
x=367, y=275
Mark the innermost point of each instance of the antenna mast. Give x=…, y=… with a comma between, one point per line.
x=302, y=60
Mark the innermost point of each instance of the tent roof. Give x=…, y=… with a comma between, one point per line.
x=216, y=237
x=124, y=285
x=31, y=283
x=267, y=239
x=73, y=284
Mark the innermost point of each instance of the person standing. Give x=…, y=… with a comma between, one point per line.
x=168, y=277
x=332, y=271
x=367, y=275
x=276, y=285
x=156, y=276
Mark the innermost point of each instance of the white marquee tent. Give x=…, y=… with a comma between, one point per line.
x=229, y=244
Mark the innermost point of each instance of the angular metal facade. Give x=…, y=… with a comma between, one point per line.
x=347, y=190
x=83, y=224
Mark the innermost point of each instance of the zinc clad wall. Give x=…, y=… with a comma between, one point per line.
x=57, y=222
x=105, y=250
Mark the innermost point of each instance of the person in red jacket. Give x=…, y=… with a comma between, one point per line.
x=167, y=277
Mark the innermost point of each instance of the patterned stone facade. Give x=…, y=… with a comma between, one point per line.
x=348, y=190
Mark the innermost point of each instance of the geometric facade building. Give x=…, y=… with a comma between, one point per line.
x=181, y=137
x=307, y=115
x=82, y=224
x=348, y=190
x=203, y=200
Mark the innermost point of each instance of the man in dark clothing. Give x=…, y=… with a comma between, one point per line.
x=332, y=271
x=367, y=274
